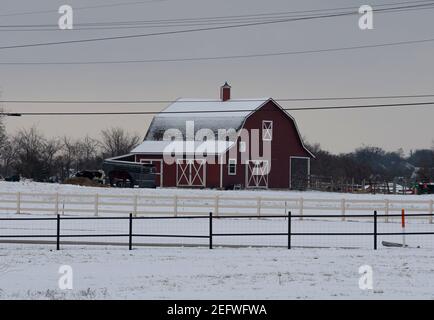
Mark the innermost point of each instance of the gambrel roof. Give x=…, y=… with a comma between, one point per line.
x=209, y=114
x=229, y=114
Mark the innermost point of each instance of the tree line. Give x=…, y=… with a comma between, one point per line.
x=373, y=164
x=30, y=154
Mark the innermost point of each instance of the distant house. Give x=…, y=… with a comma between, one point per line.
x=225, y=143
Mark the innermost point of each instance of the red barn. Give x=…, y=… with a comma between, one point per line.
x=225, y=143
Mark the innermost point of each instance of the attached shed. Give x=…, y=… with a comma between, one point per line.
x=249, y=143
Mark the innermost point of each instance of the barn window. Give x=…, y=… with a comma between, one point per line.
x=267, y=130
x=242, y=146
x=232, y=167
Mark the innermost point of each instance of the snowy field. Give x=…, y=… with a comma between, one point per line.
x=240, y=267
x=53, y=188
x=31, y=272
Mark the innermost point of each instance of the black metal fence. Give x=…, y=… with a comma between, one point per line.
x=210, y=235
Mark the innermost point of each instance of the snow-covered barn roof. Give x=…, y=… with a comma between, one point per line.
x=211, y=147
x=210, y=114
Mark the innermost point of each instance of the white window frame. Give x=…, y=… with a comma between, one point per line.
x=232, y=162
x=243, y=146
x=267, y=131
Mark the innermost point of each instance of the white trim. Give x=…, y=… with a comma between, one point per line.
x=308, y=169
x=242, y=146
x=234, y=161
x=286, y=113
x=161, y=167
x=257, y=179
x=122, y=156
x=190, y=173
x=221, y=172
x=267, y=130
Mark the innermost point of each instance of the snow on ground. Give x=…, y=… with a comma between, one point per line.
x=317, y=266
x=43, y=198
x=28, y=186
x=31, y=272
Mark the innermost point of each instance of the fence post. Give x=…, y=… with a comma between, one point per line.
x=175, y=205
x=96, y=205
x=258, y=206
x=216, y=205
x=58, y=233
x=210, y=230
x=375, y=230
x=301, y=208
x=56, y=207
x=135, y=205
x=289, y=229
x=386, y=210
x=343, y=208
x=18, y=202
x=431, y=205
x=130, y=233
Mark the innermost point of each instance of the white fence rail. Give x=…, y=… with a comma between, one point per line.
x=106, y=204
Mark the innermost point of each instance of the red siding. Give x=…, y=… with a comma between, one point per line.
x=285, y=143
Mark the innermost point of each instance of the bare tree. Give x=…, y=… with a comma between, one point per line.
x=70, y=154
x=116, y=141
x=89, y=150
x=3, y=145
x=49, y=153
x=3, y=136
x=8, y=157
x=29, y=148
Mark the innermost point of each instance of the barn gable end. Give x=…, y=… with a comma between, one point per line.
x=223, y=164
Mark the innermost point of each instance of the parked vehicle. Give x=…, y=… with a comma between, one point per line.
x=14, y=178
x=95, y=175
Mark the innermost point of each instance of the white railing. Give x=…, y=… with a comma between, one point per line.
x=138, y=204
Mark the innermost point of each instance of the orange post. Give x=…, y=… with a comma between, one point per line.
x=403, y=218
x=403, y=226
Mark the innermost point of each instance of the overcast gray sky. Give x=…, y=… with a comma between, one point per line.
x=397, y=70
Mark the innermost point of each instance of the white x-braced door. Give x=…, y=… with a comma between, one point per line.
x=190, y=173
x=257, y=174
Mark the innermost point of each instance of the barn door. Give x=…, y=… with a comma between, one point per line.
x=299, y=173
x=190, y=173
x=257, y=174
x=158, y=170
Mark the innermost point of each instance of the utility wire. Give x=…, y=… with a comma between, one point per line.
x=190, y=21
x=231, y=17
x=14, y=14
x=138, y=25
x=395, y=105
x=242, y=25
x=209, y=100
x=246, y=56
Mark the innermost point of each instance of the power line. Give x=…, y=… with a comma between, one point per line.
x=208, y=100
x=246, y=56
x=231, y=17
x=208, y=20
x=80, y=8
x=41, y=44
x=139, y=25
x=395, y=105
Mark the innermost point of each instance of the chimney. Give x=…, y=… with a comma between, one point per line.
x=225, y=92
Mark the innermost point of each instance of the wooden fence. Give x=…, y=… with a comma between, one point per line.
x=138, y=204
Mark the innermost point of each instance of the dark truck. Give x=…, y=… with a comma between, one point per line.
x=424, y=188
x=124, y=174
